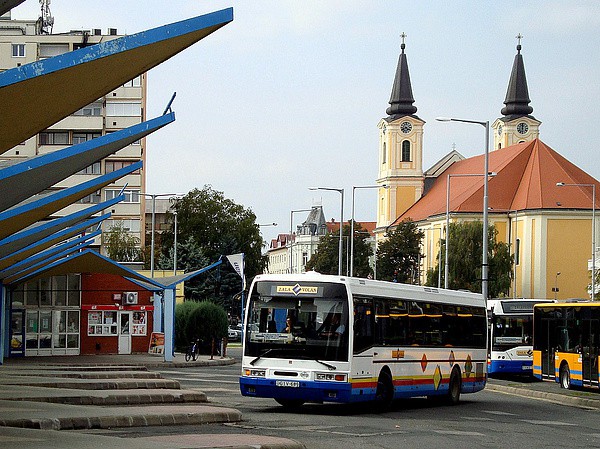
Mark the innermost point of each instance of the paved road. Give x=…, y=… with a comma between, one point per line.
x=486, y=419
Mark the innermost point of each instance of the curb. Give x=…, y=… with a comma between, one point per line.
x=553, y=397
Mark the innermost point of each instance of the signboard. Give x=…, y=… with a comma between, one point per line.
x=157, y=343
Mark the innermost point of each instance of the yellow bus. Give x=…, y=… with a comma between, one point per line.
x=566, y=343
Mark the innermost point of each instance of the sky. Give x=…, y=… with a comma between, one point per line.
x=288, y=96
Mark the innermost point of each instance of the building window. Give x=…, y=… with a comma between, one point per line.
x=123, y=109
x=384, y=154
x=102, y=323
x=304, y=258
x=517, y=250
x=131, y=195
x=92, y=198
x=94, y=169
x=50, y=50
x=81, y=137
x=139, y=323
x=111, y=166
x=54, y=138
x=94, y=109
x=406, y=151
x=18, y=50
x=136, y=82
x=128, y=225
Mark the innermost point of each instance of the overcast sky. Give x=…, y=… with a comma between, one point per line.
x=288, y=95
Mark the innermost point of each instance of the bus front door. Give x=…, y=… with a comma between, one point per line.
x=547, y=349
x=589, y=352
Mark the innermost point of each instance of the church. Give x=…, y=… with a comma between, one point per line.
x=542, y=205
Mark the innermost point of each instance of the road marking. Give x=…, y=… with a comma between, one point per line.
x=548, y=423
x=497, y=412
x=320, y=429
x=459, y=433
x=473, y=418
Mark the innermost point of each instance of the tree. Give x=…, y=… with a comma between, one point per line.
x=464, y=260
x=325, y=260
x=121, y=246
x=211, y=226
x=399, y=256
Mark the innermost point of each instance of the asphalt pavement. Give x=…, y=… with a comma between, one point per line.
x=43, y=399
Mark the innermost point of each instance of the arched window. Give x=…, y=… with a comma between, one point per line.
x=406, y=151
x=383, y=156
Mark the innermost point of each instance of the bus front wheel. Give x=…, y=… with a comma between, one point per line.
x=385, y=389
x=565, y=376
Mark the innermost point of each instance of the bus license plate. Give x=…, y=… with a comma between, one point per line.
x=287, y=383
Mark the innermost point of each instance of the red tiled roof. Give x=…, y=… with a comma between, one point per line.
x=526, y=177
x=334, y=226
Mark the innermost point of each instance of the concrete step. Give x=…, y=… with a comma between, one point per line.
x=90, y=384
x=101, y=397
x=83, y=374
x=49, y=416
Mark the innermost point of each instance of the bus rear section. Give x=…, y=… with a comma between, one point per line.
x=511, y=336
x=317, y=338
x=566, y=343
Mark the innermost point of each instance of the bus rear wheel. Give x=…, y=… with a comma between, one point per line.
x=290, y=403
x=565, y=376
x=454, y=387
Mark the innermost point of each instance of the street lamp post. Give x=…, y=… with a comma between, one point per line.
x=154, y=196
x=341, y=192
x=352, y=224
x=291, y=229
x=593, y=186
x=484, y=262
x=457, y=175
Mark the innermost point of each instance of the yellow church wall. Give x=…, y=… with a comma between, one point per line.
x=531, y=261
x=405, y=197
x=502, y=228
x=568, y=251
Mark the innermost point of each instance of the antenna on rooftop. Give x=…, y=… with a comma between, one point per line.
x=45, y=21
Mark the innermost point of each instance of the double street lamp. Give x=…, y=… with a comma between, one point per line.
x=593, y=186
x=341, y=192
x=484, y=262
x=154, y=196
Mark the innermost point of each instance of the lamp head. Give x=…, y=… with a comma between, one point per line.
x=560, y=184
x=443, y=119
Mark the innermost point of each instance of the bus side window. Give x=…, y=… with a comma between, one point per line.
x=363, y=326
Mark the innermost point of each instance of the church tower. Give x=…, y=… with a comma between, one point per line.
x=400, y=151
x=517, y=125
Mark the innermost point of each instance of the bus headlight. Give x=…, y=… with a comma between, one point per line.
x=330, y=377
x=255, y=372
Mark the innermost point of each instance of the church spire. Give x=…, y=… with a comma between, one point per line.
x=517, y=96
x=401, y=100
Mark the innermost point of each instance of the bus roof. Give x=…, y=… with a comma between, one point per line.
x=571, y=303
x=361, y=286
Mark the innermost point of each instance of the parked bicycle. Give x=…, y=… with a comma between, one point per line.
x=192, y=351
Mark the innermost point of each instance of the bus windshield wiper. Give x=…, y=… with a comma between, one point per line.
x=262, y=355
x=331, y=367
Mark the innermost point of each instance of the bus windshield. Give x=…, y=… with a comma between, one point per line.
x=511, y=331
x=300, y=321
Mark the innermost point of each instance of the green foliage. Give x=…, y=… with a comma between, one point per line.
x=211, y=226
x=182, y=316
x=121, y=246
x=464, y=260
x=399, y=256
x=326, y=256
x=207, y=321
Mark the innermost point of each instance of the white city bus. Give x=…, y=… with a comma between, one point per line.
x=511, y=333
x=317, y=338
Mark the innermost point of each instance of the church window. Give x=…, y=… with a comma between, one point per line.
x=383, y=156
x=406, y=151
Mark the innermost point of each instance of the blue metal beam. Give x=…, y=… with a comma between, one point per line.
x=33, y=92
